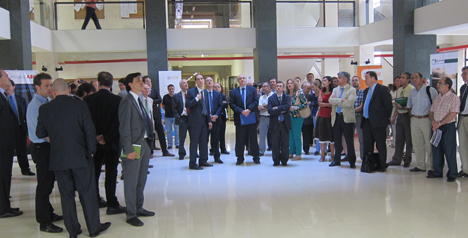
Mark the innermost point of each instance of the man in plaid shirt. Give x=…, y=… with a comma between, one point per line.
x=356, y=82
x=443, y=112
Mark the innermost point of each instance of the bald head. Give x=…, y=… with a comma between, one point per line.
x=60, y=87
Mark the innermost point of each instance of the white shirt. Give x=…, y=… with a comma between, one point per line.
x=264, y=100
x=184, y=110
x=419, y=102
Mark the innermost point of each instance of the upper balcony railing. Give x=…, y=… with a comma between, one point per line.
x=383, y=9
x=111, y=15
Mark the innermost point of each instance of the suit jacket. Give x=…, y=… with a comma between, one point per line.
x=380, y=106
x=196, y=117
x=104, y=108
x=9, y=129
x=157, y=100
x=178, y=106
x=225, y=105
x=22, y=107
x=68, y=124
x=150, y=112
x=347, y=107
x=282, y=108
x=237, y=105
x=217, y=103
x=132, y=124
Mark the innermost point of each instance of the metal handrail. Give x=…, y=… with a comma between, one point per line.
x=115, y=2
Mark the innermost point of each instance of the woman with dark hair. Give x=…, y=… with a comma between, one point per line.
x=84, y=90
x=323, y=129
x=298, y=102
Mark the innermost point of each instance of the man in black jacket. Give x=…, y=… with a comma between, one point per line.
x=19, y=106
x=69, y=126
x=154, y=94
x=181, y=115
x=215, y=103
x=104, y=108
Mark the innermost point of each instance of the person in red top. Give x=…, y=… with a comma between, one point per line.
x=91, y=13
x=324, y=131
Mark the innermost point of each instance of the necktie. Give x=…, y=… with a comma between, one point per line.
x=146, y=106
x=366, y=104
x=463, y=100
x=281, y=117
x=145, y=117
x=243, y=96
x=204, y=110
x=211, y=103
x=338, y=109
x=13, y=105
x=186, y=109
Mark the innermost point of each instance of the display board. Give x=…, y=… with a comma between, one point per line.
x=23, y=82
x=169, y=77
x=444, y=65
x=362, y=70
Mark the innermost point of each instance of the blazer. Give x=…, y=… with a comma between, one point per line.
x=347, y=107
x=132, y=126
x=282, y=109
x=9, y=129
x=104, y=108
x=223, y=111
x=196, y=117
x=178, y=106
x=22, y=107
x=380, y=106
x=157, y=100
x=237, y=105
x=217, y=103
x=68, y=124
x=150, y=112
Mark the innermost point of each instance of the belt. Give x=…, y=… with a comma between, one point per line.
x=463, y=115
x=421, y=117
x=144, y=139
x=402, y=113
x=341, y=113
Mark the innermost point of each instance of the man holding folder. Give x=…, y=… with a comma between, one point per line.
x=244, y=102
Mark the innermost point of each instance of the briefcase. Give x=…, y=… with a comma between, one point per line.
x=371, y=163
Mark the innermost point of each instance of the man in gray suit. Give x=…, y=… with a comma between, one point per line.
x=135, y=129
x=68, y=124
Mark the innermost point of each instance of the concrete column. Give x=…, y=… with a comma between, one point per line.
x=331, y=14
x=17, y=53
x=411, y=52
x=156, y=39
x=48, y=60
x=265, y=53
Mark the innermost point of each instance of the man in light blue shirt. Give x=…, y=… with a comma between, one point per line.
x=41, y=156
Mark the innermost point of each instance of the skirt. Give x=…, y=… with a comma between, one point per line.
x=324, y=130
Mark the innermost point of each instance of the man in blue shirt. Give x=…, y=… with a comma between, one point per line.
x=41, y=156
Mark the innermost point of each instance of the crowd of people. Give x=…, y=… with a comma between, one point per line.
x=77, y=127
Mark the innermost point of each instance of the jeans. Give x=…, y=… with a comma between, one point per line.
x=170, y=121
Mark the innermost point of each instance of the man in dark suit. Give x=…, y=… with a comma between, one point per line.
x=280, y=124
x=157, y=100
x=40, y=154
x=243, y=101
x=222, y=120
x=181, y=115
x=69, y=126
x=377, y=110
x=104, y=107
x=18, y=104
x=215, y=103
x=199, y=123
x=135, y=129
x=10, y=133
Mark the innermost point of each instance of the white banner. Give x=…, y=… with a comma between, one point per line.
x=23, y=82
x=444, y=65
x=169, y=77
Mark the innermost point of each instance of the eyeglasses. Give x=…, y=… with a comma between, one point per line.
x=440, y=83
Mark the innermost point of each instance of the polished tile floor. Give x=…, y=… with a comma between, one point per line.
x=304, y=199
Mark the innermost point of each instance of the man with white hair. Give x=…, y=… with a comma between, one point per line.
x=181, y=115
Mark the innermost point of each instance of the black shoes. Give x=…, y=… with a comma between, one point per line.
x=353, y=166
x=256, y=161
x=12, y=213
x=451, y=179
x=332, y=164
x=268, y=149
x=261, y=154
x=167, y=153
x=219, y=161
x=135, y=222
x=393, y=163
x=275, y=164
x=56, y=217
x=317, y=153
x=145, y=213
x=169, y=147
x=116, y=210
x=181, y=157
x=205, y=164
x=431, y=175
x=196, y=167
x=416, y=169
x=177, y=147
x=104, y=226
x=28, y=173
x=406, y=165
x=225, y=152
x=51, y=228
x=211, y=153
x=102, y=202
x=345, y=159
x=462, y=174
x=383, y=170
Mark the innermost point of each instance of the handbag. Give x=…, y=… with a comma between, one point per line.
x=370, y=163
x=305, y=112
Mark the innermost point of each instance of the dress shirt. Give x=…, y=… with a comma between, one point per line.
x=2, y=91
x=31, y=117
x=445, y=104
x=200, y=91
x=245, y=95
x=367, y=99
x=264, y=100
x=136, y=97
x=184, y=110
x=359, y=99
x=419, y=102
x=404, y=93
